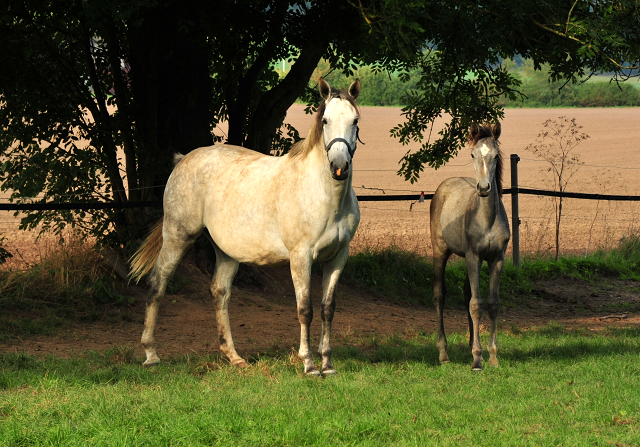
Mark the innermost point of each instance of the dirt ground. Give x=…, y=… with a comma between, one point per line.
x=265, y=316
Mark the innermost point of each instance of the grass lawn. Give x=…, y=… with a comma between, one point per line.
x=553, y=387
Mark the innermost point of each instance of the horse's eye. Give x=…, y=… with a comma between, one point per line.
x=324, y=121
x=472, y=156
x=355, y=122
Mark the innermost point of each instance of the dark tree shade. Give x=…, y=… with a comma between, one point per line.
x=97, y=95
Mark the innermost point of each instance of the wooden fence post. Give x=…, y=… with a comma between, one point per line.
x=515, y=218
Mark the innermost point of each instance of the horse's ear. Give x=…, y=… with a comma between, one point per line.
x=324, y=88
x=474, y=130
x=495, y=130
x=354, y=89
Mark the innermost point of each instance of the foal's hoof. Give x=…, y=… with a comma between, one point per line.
x=328, y=372
x=312, y=372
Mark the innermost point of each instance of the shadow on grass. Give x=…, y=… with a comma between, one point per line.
x=552, y=343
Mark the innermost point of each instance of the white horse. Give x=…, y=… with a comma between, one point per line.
x=265, y=211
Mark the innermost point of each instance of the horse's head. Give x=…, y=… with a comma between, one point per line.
x=339, y=127
x=487, y=158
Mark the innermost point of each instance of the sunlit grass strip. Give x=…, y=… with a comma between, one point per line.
x=552, y=387
x=403, y=276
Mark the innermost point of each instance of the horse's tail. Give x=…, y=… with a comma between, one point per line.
x=146, y=256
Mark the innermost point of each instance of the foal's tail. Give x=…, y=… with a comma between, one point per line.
x=146, y=256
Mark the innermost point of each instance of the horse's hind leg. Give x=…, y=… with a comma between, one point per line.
x=172, y=251
x=466, y=291
x=226, y=269
x=493, y=307
x=439, y=292
x=331, y=273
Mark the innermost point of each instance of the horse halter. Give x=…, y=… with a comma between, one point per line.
x=337, y=140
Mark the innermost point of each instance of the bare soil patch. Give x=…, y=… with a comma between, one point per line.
x=264, y=317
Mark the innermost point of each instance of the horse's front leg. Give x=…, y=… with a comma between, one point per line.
x=301, y=275
x=493, y=307
x=439, y=293
x=331, y=273
x=473, y=263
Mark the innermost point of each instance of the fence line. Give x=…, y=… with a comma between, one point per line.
x=57, y=206
x=514, y=191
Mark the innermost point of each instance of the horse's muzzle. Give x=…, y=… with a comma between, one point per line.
x=340, y=172
x=483, y=191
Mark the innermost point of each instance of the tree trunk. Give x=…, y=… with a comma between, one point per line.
x=272, y=107
x=171, y=88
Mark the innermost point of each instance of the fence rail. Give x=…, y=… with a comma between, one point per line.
x=57, y=206
x=514, y=191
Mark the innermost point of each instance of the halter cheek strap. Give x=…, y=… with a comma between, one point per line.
x=342, y=140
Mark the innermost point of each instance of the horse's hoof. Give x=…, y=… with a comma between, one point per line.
x=241, y=364
x=151, y=363
x=444, y=362
x=327, y=372
x=476, y=368
x=313, y=372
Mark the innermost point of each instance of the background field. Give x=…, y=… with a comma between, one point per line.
x=612, y=166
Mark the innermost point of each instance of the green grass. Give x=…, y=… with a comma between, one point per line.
x=553, y=387
x=405, y=277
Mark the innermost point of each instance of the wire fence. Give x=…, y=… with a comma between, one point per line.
x=413, y=197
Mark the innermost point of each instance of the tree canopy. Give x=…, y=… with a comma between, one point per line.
x=97, y=95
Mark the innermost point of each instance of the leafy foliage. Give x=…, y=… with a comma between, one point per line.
x=464, y=42
x=4, y=254
x=97, y=96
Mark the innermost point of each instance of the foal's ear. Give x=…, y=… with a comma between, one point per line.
x=474, y=130
x=354, y=89
x=495, y=130
x=324, y=88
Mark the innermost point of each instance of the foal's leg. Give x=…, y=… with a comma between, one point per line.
x=301, y=275
x=493, y=307
x=226, y=269
x=439, y=292
x=466, y=291
x=473, y=263
x=173, y=248
x=331, y=274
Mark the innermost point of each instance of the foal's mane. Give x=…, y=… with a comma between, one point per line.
x=484, y=131
x=303, y=147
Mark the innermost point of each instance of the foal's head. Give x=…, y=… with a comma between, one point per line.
x=487, y=158
x=338, y=118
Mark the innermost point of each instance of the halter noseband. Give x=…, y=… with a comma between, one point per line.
x=351, y=151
